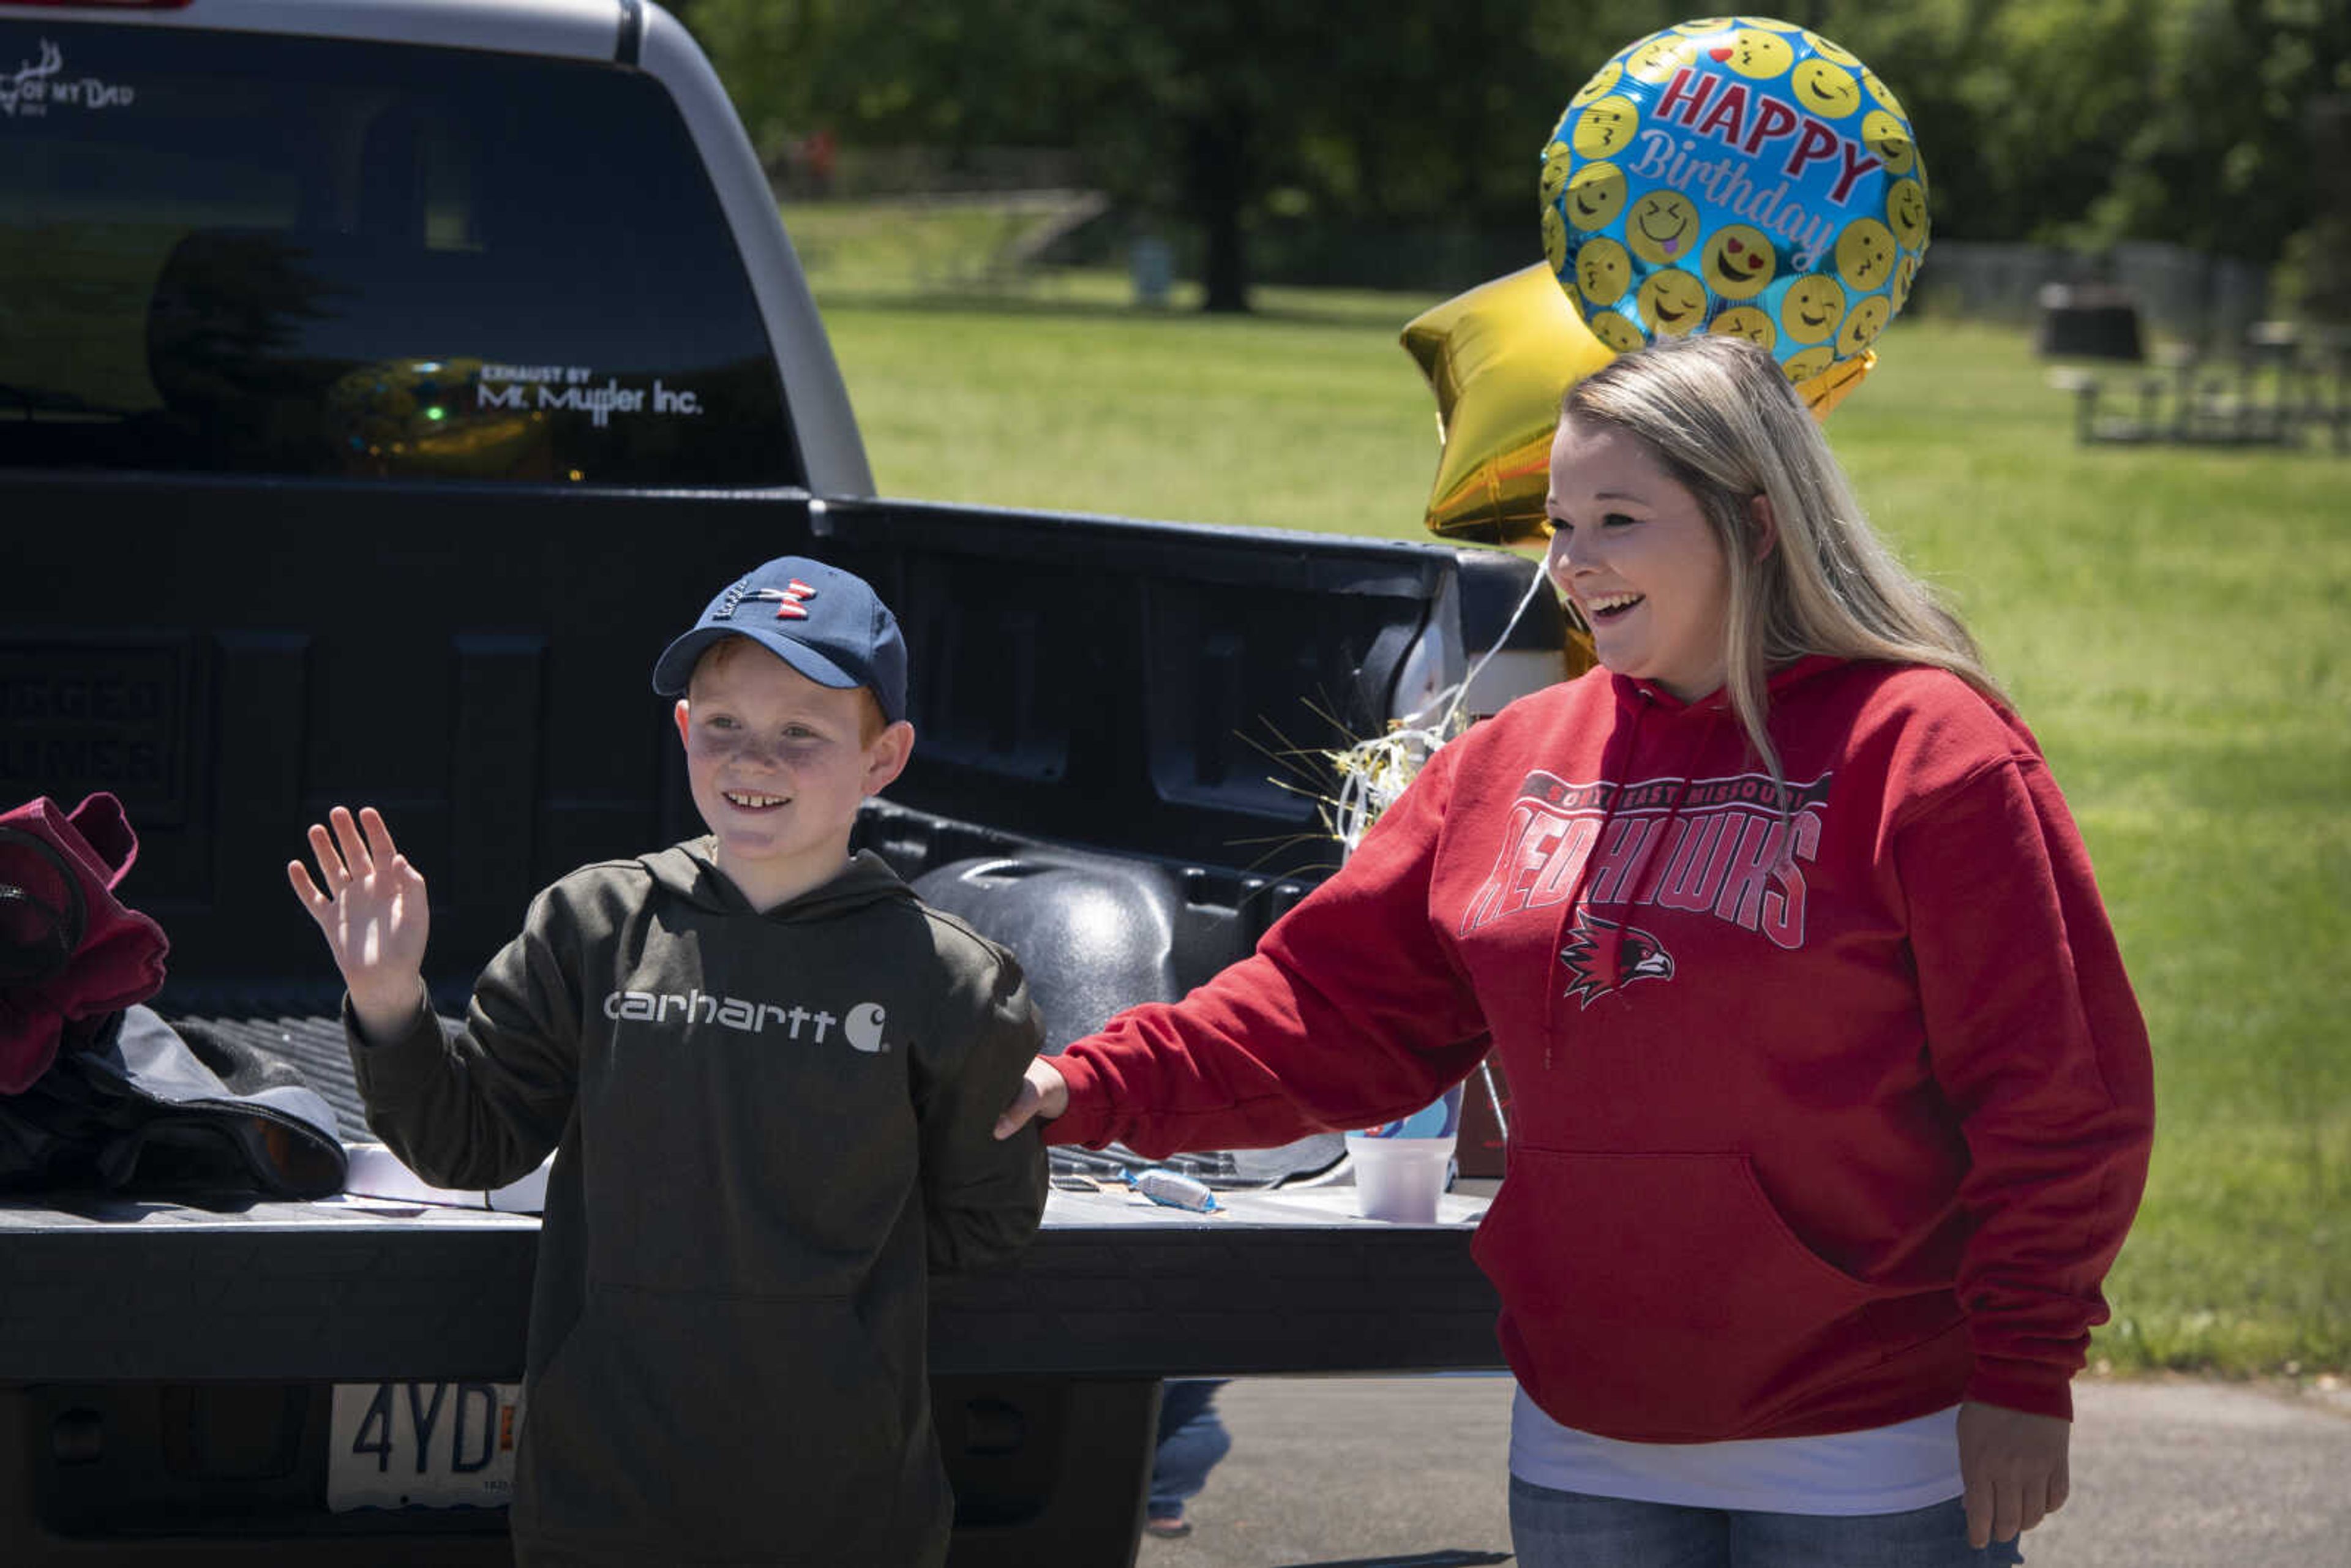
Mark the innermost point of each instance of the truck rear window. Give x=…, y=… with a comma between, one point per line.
x=226, y=253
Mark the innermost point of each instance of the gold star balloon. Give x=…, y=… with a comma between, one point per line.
x=1498, y=359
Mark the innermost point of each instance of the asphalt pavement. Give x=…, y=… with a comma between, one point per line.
x=1412, y=1473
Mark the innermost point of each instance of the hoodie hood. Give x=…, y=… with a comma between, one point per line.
x=1779, y=683
x=690, y=870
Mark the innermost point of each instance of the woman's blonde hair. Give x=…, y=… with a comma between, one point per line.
x=1721, y=418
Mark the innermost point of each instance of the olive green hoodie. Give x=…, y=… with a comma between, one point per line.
x=765, y=1126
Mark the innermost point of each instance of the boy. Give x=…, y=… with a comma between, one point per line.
x=767, y=1073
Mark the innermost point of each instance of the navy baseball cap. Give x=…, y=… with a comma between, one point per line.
x=827, y=623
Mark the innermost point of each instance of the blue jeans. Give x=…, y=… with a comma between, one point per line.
x=1570, y=1530
x=1192, y=1438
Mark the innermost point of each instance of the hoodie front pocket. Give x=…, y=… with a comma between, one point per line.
x=703, y=1421
x=1661, y=1297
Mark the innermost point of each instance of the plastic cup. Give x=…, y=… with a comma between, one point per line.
x=1402, y=1166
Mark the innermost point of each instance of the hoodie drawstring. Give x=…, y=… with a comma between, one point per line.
x=1608, y=953
x=1637, y=700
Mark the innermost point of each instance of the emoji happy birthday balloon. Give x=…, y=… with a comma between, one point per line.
x=1741, y=175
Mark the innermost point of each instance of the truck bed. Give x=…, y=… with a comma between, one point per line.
x=168, y=1368
x=99, y=1289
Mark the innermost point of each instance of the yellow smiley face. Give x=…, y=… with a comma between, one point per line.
x=1863, y=322
x=1607, y=125
x=1655, y=60
x=1757, y=54
x=1906, y=273
x=1616, y=332
x=1746, y=321
x=1603, y=79
x=1738, y=262
x=1595, y=195
x=1770, y=24
x=1887, y=136
x=1865, y=255
x=1828, y=91
x=1803, y=367
x=1906, y=209
x=1558, y=159
x=1673, y=302
x=1554, y=236
x=1823, y=48
x=1699, y=25
x=1812, y=309
x=1882, y=94
x=1602, y=271
x=1662, y=229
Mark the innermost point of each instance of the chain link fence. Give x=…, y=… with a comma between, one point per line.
x=2207, y=303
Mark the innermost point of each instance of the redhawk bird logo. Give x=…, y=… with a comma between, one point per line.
x=1639, y=957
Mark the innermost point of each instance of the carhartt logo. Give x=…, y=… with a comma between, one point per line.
x=861, y=1027
x=790, y=600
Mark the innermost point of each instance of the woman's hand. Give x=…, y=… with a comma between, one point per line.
x=2012, y=1465
x=1044, y=1094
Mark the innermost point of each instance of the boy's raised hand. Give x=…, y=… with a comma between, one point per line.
x=373, y=913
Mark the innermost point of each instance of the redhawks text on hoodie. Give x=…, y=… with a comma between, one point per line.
x=1829, y=1107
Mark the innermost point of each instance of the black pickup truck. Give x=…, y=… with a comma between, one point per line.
x=374, y=403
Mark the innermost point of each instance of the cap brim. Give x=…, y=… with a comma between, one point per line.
x=675, y=668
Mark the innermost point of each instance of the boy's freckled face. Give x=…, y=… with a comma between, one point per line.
x=778, y=766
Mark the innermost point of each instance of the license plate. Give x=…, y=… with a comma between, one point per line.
x=422, y=1445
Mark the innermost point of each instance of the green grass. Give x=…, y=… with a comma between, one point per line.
x=2176, y=625
x=1281, y=421
x=911, y=244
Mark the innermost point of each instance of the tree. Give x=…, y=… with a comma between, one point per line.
x=2226, y=163
x=2082, y=122
x=1199, y=112
x=2066, y=121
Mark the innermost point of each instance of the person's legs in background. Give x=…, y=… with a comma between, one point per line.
x=1192, y=1438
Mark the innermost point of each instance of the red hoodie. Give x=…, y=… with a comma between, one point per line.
x=1820, y=1120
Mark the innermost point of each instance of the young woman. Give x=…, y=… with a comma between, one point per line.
x=1831, y=1100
